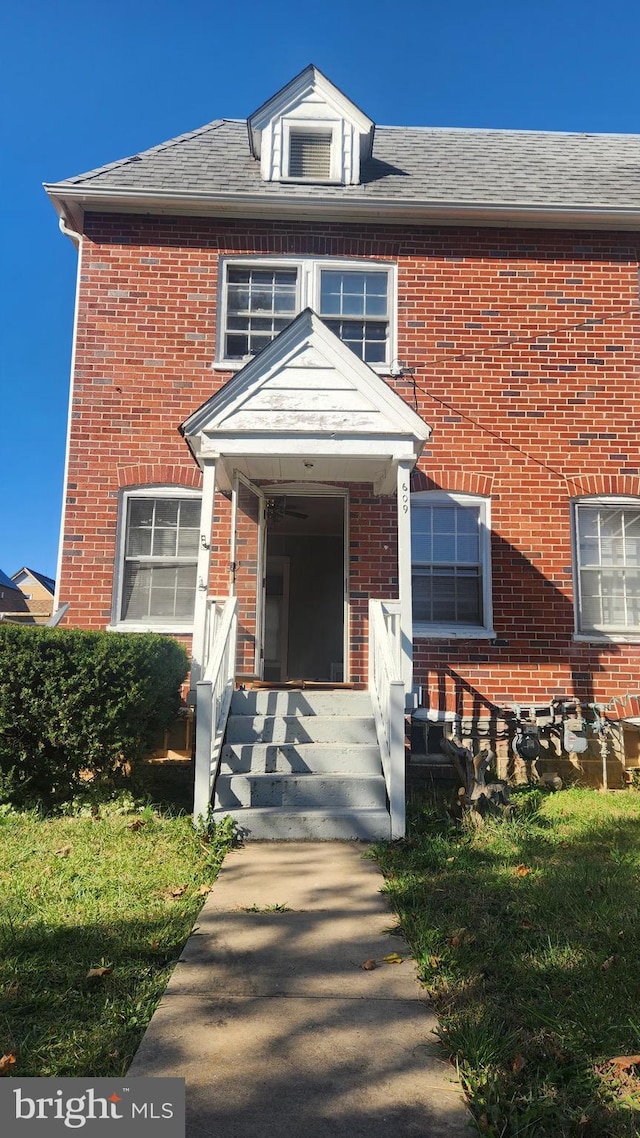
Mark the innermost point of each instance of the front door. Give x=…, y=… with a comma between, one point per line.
x=305, y=587
x=247, y=564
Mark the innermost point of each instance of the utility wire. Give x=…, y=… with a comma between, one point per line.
x=592, y=322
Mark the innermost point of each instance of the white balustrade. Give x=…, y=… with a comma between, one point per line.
x=387, y=691
x=213, y=697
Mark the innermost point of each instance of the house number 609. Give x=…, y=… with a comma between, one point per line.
x=405, y=498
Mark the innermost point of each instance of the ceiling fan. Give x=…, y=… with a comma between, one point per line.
x=277, y=510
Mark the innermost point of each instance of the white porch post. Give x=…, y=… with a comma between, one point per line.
x=202, y=572
x=404, y=572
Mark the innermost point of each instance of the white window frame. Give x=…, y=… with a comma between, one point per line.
x=426, y=630
x=311, y=126
x=309, y=271
x=612, y=635
x=117, y=624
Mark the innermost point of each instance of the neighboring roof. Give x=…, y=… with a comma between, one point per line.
x=46, y=582
x=430, y=169
x=7, y=583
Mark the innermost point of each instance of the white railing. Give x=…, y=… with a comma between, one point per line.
x=386, y=687
x=213, y=698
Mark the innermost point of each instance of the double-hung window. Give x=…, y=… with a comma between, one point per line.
x=451, y=570
x=159, y=550
x=355, y=299
x=608, y=566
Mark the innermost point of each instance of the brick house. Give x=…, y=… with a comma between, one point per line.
x=356, y=406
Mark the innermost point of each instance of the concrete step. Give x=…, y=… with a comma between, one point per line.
x=309, y=729
x=326, y=792
x=294, y=758
x=303, y=702
x=267, y=824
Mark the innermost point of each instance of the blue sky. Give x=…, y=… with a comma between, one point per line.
x=84, y=83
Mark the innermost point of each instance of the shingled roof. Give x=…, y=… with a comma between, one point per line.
x=408, y=163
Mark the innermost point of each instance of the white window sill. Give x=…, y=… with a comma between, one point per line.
x=129, y=626
x=606, y=637
x=237, y=365
x=452, y=632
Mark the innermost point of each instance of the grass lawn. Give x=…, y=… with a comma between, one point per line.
x=117, y=893
x=527, y=937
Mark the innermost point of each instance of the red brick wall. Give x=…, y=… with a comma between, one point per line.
x=525, y=346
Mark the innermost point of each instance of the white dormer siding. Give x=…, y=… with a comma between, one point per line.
x=310, y=114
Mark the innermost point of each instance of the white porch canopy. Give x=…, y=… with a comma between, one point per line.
x=306, y=409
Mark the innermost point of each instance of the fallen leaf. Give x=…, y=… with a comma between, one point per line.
x=522, y=870
x=173, y=894
x=607, y=963
x=564, y=845
x=621, y=934
x=392, y=958
x=525, y=924
x=64, y=851
x=623, y=1062
x=203, y=890
x=7, y=1062
x=449, y=859
x=518, y=1064
x=369, y=965
x=137, y=824
x=456, y=938
x=583, y=1120
x=435, y=961
x=98, y=973
x=155, y=944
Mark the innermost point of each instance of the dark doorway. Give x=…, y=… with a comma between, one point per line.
x=305, y=588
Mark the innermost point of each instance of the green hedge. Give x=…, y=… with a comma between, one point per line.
x=73, y=702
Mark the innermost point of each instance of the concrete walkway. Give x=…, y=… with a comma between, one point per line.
x=278, y=1030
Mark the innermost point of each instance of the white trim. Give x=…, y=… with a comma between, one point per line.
x=425, y=630
x=308, y=269
x=73, y=200
x=65, y=478
x=147, y=491
x=403, y=495
x=291, y=126
x=622, y=635
x=202, y=570
x=260, y=561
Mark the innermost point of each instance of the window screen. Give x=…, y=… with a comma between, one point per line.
x=608, y=545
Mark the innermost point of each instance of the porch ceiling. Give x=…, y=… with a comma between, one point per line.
x=307, y=409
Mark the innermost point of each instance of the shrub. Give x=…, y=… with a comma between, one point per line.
x=73, y=702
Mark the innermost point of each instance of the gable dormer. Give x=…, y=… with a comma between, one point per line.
x=310, y=132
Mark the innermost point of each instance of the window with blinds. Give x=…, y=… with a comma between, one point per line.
x=450, y=557
x=310, y=155
x=161, y=550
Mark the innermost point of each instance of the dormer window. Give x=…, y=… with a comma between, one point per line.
x=310, y=155
x=310, y=132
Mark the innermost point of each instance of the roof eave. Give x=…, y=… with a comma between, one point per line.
x=72, y=202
